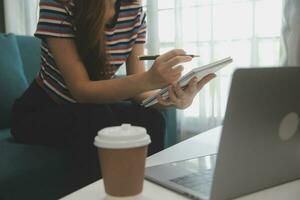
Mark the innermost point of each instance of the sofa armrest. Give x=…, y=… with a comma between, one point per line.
x=171, y=126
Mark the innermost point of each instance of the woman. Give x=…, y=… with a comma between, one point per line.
x=74, y=95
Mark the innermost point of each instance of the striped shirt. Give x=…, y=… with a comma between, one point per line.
x=56, y=21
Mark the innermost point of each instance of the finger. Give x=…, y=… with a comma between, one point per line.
x=176, y=72
x=178, y=69
x=164, y=102
x=172, y=96
x=178, y=91
x=170, y=54
x=205, y=80
x=177, y=60
x=192, y=86
x=175, y=75
x=175, y=78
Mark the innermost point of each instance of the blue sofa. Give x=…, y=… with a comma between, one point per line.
x=32, y=171
x=26, y=171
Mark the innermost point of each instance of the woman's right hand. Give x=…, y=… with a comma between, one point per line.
x=166, y=69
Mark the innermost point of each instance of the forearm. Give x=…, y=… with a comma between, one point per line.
x=77, y=79
x=113, y=90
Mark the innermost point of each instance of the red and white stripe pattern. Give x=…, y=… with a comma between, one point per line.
x=56, y=21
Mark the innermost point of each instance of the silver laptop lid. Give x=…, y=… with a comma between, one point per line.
x=260, y=143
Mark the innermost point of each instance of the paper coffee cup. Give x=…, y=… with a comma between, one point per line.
x=122, y=153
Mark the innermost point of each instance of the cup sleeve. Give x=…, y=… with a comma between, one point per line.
x=55, y=20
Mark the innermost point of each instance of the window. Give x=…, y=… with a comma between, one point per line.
x=247, y=30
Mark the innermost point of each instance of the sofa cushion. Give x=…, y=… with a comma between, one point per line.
x=31, y=171
x=4, y=134
x=12, y=78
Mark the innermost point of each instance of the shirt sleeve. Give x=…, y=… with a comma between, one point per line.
x=55, y=20
x=141, y=35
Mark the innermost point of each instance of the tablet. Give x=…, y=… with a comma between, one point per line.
x=199, y=72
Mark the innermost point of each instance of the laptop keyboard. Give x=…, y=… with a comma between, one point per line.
x=199, y=182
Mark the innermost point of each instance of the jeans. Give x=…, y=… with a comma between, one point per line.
x=37, y=119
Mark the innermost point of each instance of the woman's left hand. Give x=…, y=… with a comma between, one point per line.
x=183, y=98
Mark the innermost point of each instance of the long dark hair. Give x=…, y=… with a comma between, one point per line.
x=89, y=21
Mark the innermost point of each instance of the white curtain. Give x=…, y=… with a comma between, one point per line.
x=247, y=30
x=291, y=32
x=21, y=16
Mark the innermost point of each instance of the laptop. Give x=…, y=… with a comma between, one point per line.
x=260, y=142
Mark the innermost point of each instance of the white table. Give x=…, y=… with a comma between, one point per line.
x=200, y=145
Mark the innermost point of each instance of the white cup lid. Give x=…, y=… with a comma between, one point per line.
x=122, y=137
